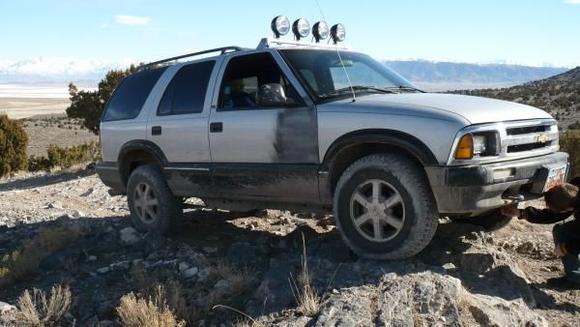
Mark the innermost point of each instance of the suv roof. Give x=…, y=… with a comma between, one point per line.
x=265, y=43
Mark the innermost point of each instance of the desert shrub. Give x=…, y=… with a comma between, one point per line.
x=152, y=311
x=26, y=259
x=13, y=143
x=88, y=105
x=570, y=142
x=64, y=157
x=68, y=157
x=38, y=163
x=37, y=310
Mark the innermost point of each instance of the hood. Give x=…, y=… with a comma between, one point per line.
x=475, y=110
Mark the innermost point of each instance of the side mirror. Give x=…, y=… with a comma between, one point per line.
x=271, y=95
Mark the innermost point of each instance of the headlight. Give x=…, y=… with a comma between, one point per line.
x=301, y=28
x=481, y=144
x=280, y=26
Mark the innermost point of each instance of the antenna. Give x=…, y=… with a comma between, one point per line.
x=339, y=56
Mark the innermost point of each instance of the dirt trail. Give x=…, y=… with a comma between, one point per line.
x=466, y=276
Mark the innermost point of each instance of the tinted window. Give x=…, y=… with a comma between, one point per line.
x=186, y=92
x=256, y=81
x=130, y=95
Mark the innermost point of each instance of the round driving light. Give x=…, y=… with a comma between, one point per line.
x=320, y=31
x=338, y=33
x=301, y=28
x=280, y=25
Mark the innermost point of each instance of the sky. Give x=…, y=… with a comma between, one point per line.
x=528, y=32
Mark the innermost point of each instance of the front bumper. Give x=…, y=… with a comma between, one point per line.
x=473, y=190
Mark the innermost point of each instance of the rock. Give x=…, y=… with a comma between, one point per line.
x=129, y=235
x=183, y=266
x=77, y=214
x=350, y=307
x=103, y=270
x=210, y=249
x=6, y=308
x=121, y=265
x=189, y=273
x=449, y=266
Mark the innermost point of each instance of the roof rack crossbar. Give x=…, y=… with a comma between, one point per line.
x=222, y=50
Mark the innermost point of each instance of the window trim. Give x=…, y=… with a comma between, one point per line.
x=221, y=78
x=213, y=68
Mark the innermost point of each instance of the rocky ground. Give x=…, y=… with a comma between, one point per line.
x=465, y=277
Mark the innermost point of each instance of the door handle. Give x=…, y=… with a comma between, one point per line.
x=156, y=130
x=217, y=127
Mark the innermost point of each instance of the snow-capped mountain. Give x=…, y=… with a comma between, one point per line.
x=56, y=70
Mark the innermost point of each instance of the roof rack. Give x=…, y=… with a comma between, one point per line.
x=222, y=50
x=272, y=43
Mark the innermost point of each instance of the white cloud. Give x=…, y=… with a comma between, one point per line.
x=132, y=20
x=572, y=2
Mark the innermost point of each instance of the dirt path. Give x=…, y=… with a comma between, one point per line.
x=514, y=264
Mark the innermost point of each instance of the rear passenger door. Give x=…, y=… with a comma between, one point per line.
x=179, y=127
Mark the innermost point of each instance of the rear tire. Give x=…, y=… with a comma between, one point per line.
x=384, y=208
x=154, y=208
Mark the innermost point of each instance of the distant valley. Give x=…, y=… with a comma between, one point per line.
x=443, y=76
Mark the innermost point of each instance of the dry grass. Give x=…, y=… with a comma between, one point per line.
x=36, y=310
x=152, y=311
x=239, y=280
x=308, y=300
x=25, y=260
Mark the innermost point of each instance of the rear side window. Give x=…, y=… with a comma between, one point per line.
x=186, y=92
x=130, y=95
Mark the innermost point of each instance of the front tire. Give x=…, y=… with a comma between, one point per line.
x=384, y=207
x=153, y=207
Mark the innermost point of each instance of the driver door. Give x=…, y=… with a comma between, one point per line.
x=263, y=146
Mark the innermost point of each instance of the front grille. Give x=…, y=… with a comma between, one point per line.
x=527, y=130
x=530, y=136
x=527, y=147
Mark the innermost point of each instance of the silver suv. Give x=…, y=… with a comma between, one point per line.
x=319, y=128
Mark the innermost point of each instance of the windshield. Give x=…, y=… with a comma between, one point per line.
x=325, y=77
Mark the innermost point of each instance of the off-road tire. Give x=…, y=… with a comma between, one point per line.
x=407, y=178
x=169, y=208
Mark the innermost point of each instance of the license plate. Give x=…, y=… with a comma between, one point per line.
x=556, y=176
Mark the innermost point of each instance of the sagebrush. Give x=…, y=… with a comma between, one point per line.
x=35, y=309
x=64, y=157
x=152, y=311
x=13, y=144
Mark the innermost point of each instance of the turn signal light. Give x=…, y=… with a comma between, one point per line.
x=465, y=148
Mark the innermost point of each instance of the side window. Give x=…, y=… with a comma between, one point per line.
x=254, y=82
x=185, y=94
x=131, y=94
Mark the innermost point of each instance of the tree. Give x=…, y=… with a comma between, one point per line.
x=13, y=144
x=89, y=105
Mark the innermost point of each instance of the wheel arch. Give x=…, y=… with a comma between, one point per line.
x=352, y=146
x=136, y=153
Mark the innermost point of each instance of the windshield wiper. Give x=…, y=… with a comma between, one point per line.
x=356, y=88
x=405, y=88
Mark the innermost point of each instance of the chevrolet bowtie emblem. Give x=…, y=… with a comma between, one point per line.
x=543, y=138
